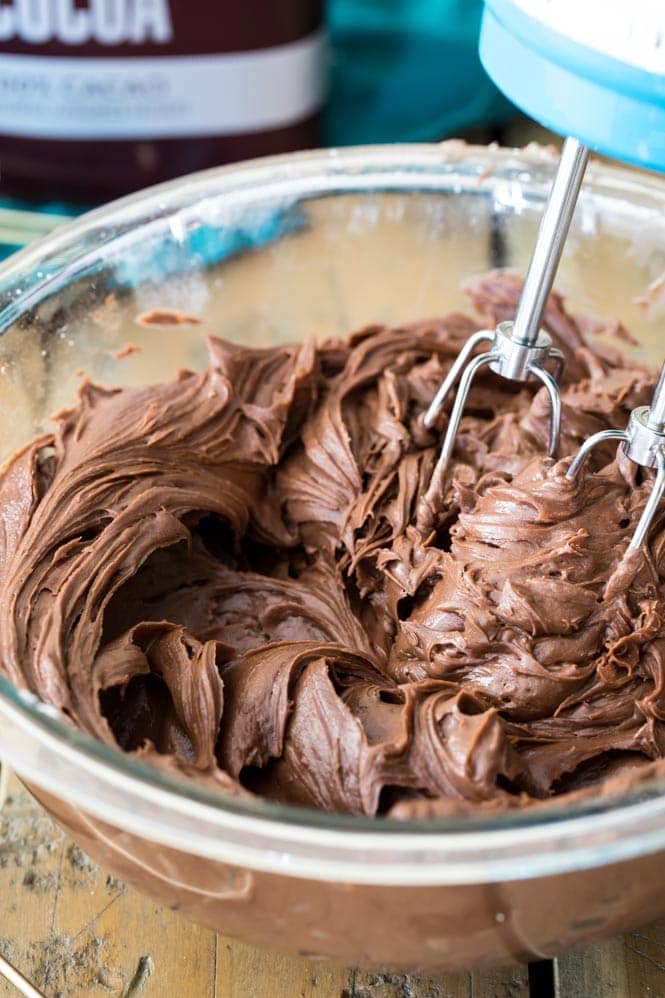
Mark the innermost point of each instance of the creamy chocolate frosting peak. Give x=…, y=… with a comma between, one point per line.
x=234, y=577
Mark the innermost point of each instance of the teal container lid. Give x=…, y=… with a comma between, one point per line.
x=613, y=106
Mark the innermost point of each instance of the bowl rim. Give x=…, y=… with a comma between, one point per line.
x=260, y=834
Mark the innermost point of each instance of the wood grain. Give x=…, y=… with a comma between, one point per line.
x=632, y=966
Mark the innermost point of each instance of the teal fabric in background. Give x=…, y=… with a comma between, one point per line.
x=407, y=71
x=21, y=222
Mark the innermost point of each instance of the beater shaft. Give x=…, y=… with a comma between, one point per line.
x=657, y=408
x=552, y=232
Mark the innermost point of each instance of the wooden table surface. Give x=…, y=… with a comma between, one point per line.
x=75, y=931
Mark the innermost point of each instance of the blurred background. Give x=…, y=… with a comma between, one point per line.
x=98, y=100
x=407, y=71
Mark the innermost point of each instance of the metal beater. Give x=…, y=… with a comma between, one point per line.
x=644, y=443
x=520, y=349
x=597, y=71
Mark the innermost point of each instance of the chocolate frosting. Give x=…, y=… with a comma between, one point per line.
x=236, y=575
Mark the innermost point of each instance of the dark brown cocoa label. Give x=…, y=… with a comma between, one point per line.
x=153, y=27
x=141, y=69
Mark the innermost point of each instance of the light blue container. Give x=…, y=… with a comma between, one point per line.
x=615, y=107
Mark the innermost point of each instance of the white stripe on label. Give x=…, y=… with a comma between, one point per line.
x=55, y=97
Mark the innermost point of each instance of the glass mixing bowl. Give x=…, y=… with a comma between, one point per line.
x=267, y=252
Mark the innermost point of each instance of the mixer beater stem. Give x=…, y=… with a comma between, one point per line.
x=519, y=349
x=552, y=232
x=643, y=442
